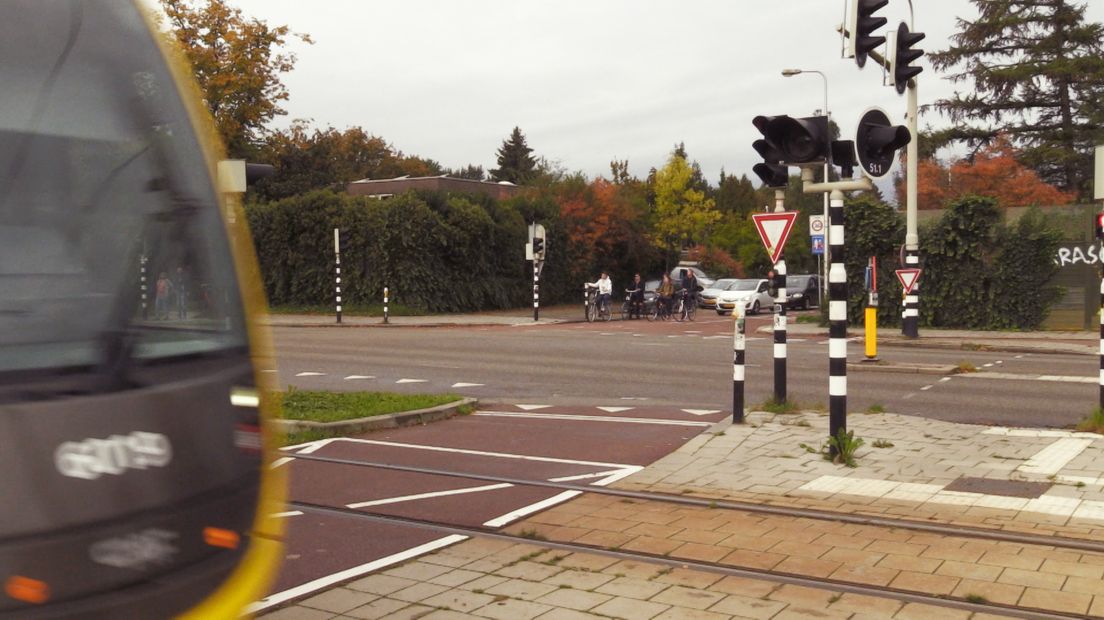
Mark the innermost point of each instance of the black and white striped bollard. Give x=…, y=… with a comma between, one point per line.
x=144, y=284
x=780, y=316
x=837, y=321
x=1102, y=344
x=739, y=347
x=910, y=316
x=536, y=291
x=337, y=276
x=385, y=312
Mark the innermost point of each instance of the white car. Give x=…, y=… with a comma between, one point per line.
x=754, y=294
x=711, y=293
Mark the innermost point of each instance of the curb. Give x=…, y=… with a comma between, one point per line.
x=380, y=422
x=412, y=325
x=916, y=369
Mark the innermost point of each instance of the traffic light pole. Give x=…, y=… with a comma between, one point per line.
x=780, y=315
x=837, y=304
x=536, y=289
x=910, y=318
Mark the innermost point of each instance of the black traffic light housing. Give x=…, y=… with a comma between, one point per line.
x=843, y=155
x=538, y=247
x=877, y=142
x=861, y=24
x=793, y=140
x=1100, y=225
x=771, y=171
x=256, y=172
x=904, y=54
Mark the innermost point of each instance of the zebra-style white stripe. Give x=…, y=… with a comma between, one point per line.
x=837, y=315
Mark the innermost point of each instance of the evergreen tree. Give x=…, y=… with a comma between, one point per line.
x=1037, y=73
x=515, y=161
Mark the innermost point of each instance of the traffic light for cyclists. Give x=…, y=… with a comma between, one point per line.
x=1100, y=225
x=861, y=25
x=877, y=141
x=793, y=141
x=903, y=55
x=538, y=248
x=843, y=155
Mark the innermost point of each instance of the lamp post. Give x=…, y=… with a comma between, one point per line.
x=827, y=240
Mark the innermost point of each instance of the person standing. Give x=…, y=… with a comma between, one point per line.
x=181, y=286
x=664, y=294
x=605, y=289
x=161, y=292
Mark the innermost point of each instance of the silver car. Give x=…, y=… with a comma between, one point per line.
x=754, y=294
x=711, y=293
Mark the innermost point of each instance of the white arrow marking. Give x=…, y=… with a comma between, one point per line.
x=353, y=377
x=459, y=385
x=311, y=374
x=411, y=381
x=532, y=407
x=701, y=411
x=615, y=409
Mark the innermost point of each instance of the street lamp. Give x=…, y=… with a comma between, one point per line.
x=824, y=272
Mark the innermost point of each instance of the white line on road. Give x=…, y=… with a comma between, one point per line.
x=312, y=586
x=411, y=381
x=615, y=409
x=926, y=388
x=284, y=460
x=908, y=396
x=311, y=373
x=701, y=411
x=590, y=418
x=356, y=377
x=1011, y=376
x=417, y=496
x=531, y=508
x=532, y=407
x=597, y=474
x=944, y=379
x=289, y=513
x=501, y=455
x=463, y=385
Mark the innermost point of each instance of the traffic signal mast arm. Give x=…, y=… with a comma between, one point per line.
x=854, y=185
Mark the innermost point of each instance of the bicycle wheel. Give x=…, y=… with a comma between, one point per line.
x=607, y=312
x=679, y=312
x=653, y=314
x=626, y=311
x=691, y=309
x=591, y=313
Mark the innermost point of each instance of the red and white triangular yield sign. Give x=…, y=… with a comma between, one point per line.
x=774, y=229
x=908, y=278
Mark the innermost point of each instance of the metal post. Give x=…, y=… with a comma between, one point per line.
x=739, y=346
x=386, y=292
x=837, y=317
x=871, y=322
x=1102, y=343
x=780, y=314
x=536, y=290
x=142, y=282
x=337, y=263
x=910, y=317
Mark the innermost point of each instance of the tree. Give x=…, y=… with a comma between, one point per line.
x=515, y=162
x=471, y=171
x=682, y=213
x=993, y=172
x=237, y=62
x=1037, y=73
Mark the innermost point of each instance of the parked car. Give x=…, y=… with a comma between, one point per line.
x=709, y=295
x=754, y=294
x=650, y=287
x=802, y=291
x=703, y=278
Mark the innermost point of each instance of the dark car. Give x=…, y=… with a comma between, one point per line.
x=802, y=291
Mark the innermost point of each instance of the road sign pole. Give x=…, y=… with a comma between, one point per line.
x=385, y=297
x=739, y=346
x=536, y=290
x=837, y=321
x=910, y=319
x=780, y=314
x=337, y=275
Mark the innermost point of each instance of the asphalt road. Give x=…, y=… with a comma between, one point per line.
x=676, y=364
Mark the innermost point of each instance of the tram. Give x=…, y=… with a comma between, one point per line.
x=134, y=445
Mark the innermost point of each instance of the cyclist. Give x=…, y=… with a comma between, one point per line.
x=665, y=293
x=605, y=288
x=690, y=287
x=636, y=296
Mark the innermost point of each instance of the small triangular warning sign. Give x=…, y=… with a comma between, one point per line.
x=908, y=278
x=774, y=229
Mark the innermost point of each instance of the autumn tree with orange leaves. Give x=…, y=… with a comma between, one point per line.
x=994, y=172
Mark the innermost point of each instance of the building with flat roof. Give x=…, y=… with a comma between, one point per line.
x=385, y=188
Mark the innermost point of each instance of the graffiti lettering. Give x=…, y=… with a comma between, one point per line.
x=1079, y=255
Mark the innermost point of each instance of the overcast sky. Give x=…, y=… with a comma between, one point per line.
x=587, y=81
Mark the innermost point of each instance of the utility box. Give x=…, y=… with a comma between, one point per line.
x=1098, y=178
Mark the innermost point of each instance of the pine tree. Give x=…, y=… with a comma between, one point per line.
x=515, y=162
x=1037, y=71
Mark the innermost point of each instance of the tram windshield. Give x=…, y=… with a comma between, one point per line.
x=111, y=243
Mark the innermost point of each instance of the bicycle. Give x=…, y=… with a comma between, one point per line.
x=660, y=310
x=593, y=310
x=685, y=307
x=631, y=308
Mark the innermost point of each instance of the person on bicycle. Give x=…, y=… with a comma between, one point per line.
x=665, y=293
x=636, y=296
x=605, y=289
x=690, y=286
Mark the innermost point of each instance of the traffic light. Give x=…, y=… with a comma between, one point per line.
x=1100, y=225
x=538, y=248
x=793, y=140
x=771, y=171
x=843, y=155
x=877, y=141
x=903, y=55
x=861, y=25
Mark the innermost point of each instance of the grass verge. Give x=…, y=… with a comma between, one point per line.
x=318, y=406
x=773, y=406
x=1094, y=423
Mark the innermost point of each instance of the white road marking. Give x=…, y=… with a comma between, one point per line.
x=624, y=473
x=944, y=379
x=284, y=460
x=908, y=396
x=289, y=513
x=463, y=385
x=269, y=370
x=715, y=337
x=313, y=586
x=311, y=373
x=309, y=447
x=987, y=365
x=532, y=407
x=1019, y=357
x=701, y=411
x=615, y=409
x=1022, y=377
x=514, y=515
x=999, y=362
x=597, y=474
x=926, y=388
x=1051, y=459
x=1037, y=432
x=411, y=381
x=589, y=418
x=356, y=377
x=635, y=398
x=502, y=455
x=417, y=496
x=691, y=331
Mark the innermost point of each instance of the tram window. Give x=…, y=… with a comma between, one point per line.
x=94, y=192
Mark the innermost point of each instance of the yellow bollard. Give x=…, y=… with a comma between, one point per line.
x=871, y=333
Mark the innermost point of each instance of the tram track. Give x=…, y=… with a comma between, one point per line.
x=781, y=578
